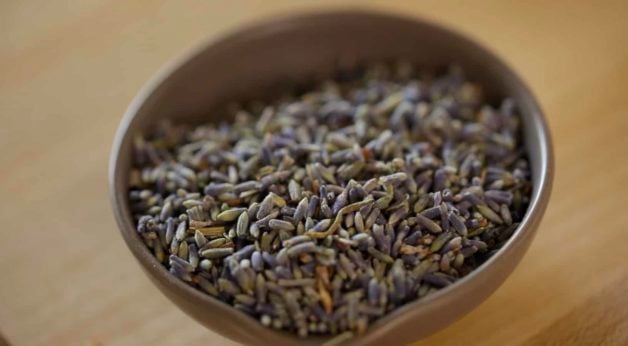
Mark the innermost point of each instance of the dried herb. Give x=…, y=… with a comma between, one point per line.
x=322, y=212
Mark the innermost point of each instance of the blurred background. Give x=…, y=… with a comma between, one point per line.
x=68, y=69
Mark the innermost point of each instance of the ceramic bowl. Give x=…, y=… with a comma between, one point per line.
x=248, y=63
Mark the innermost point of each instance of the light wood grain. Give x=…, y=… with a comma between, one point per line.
x=68, y=69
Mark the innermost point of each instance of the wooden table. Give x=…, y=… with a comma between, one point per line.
x=68, y=69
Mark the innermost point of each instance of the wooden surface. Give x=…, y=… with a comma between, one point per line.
x=68, y=69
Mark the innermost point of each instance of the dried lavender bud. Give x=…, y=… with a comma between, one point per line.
x=322, y=212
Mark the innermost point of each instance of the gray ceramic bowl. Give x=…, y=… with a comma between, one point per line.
x=247, y=64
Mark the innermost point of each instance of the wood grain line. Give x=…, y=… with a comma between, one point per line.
x=599, y=320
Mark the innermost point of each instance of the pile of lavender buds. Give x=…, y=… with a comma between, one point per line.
x=324, y=211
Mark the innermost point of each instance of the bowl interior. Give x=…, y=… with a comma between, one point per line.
x=252, y=63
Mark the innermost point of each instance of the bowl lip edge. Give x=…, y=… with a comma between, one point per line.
x=534, y=213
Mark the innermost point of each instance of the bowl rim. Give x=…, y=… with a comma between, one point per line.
x=536, y=208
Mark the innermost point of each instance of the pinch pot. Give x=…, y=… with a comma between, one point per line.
x=252, y=63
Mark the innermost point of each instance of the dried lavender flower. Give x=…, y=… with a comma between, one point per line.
x=319, y=213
